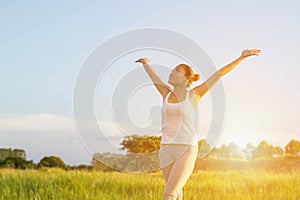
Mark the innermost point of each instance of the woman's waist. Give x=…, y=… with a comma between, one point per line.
x=184, y=140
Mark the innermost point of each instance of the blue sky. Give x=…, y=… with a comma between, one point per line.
x=43, y=46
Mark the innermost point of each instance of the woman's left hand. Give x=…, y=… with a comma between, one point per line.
x=250, y=52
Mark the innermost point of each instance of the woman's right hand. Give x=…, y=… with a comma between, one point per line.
x=142, y=60
x=250, y=52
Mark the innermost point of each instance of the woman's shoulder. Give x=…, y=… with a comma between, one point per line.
x=193, y=99
x=166, y=92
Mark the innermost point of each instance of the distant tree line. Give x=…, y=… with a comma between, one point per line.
x=16, y=159
x=134, y=159
x=138, y=146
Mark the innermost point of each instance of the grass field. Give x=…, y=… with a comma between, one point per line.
x=58, y=184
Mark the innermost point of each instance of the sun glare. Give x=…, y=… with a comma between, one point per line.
x=241, y=137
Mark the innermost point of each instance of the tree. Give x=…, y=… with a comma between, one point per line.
x=82, y=167
x=249, y=150
x=100, y=158
x=293, y=147
x=278, y=151
x=132, y=162
x=214, y=153
x=9, y=152
x=224, y=152
x=52, y=161
x=263, y=150
x=20, y=153
x=140, y=144
x=235, y=151
x=17, y=163
x=203, y=148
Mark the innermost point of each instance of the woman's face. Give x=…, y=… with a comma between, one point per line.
x=177, y=78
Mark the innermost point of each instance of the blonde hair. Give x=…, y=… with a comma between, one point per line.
x=189, y=73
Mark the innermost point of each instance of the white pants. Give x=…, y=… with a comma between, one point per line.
x=177, y=162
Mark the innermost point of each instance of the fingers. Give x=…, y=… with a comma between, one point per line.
x=142, y=60
x=139, y=60
x=256, y=50
x=252, y=52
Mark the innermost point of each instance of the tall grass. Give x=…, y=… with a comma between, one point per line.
x=58, y=184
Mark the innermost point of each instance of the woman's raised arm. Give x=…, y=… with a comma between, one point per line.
x=162, y=87
x=211, y=81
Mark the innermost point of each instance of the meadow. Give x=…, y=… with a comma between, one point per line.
x=203, y=184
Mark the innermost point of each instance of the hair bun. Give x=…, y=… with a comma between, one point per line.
x=196, y=77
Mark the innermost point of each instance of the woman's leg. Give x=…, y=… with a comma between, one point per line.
x=179, y=174
x=166, y=160
x=166, y=171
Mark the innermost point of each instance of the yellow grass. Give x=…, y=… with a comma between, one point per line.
x=59, y=184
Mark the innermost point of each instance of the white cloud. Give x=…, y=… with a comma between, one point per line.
x=110, y=129
x=52, y=122
x=35, y=122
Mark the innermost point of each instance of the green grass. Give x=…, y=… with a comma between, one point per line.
x=58, y=184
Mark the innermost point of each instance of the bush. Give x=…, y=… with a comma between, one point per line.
x=52, y=162
x=17, y=163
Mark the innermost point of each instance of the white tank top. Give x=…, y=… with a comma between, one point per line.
x=178, y=122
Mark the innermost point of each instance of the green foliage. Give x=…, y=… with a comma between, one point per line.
x=15, y=159
x=131, y=162
x=223, y=152
x=81, y=167
x=109, y=159
x=279, y=164
x=9, y=152
x=136, y=146
x=52, y=161
x=140, y=144
x=235, y=151
x=17, y=163
x=203, y=148
x=278, y=151
x=293, y=147
x=263, y=150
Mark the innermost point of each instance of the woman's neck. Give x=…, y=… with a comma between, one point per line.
x=180, y=91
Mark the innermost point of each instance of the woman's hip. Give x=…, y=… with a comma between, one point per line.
x=169, y=153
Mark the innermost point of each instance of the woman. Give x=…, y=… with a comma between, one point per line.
x=179, y=145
